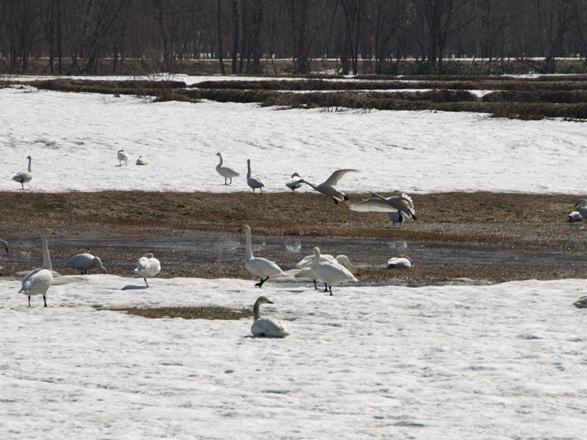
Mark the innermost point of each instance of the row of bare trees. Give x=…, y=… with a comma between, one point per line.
x=83, y=36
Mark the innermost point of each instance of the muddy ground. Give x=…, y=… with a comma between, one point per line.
x=484, y=237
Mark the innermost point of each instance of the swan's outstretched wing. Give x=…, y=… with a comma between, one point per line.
x=372, y=205
x=336, y=176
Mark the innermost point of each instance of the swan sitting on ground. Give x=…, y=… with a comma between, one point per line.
x=122, y=157
x=328, y=187
x=306, y=271
x=253, y=182
x=377, y=203
x=4, y=245
x=581, y=303
x=268, y=327
x=294, y=182
x=148, y=267
x=574, y=216
x=84, y=262
x=330, y=273
x=401, y=262
x=39, y=280
x=226, y=172
x=141, y=161
x=260, y=267
x=24, y=176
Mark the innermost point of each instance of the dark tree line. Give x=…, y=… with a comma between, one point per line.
x=365, y=36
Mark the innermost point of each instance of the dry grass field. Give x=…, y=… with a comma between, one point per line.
x=479, y=236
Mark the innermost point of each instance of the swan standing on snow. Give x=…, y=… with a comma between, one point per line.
x=122, y=157
x=328, y=187
x=24, y=176
x=148, y=267
x=401, y=262
x=294, y=182
x=268, y=327
x=377, y=203
x=253, y=182
x=226, y=172
x=39, y=280
x=306, y=270
x=330, y=273
x=260, y=267
x=84, y=262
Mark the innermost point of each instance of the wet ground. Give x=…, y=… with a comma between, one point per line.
x=483, y=238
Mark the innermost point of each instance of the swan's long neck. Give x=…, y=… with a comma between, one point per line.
x=220, y=164
x=316, y=260
x=30, y=164
x=248, y=248
x=46, y=257
x=249, y=169
x=256, y=311
x=308, y=183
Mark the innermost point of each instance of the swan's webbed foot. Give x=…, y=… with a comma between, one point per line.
x=315, y=285
x=260, y=283
x=326, y=288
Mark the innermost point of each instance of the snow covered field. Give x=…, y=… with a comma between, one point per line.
x=439, y=362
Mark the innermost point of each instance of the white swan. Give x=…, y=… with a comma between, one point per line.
x=24, y=176
x=84, y=262
x=306, y=271
x=4, y=245
x=226, y=172
x=401, y=262
x=377, y=203
x=253, y=182
x=141, y=161
x=148, y=267
x=328, y=187
x=294, y=182
x=39, y=280
x=268, y=327
x=574, y=216
x=330, y=273
x=122, y=157
x=260, y=267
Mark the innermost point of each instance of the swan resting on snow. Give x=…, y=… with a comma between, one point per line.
x=294, y=182
x=84, y=262
x=328, y=187
x=253, y=182
x=226, y=172
x=24, y=176
x=267, y=327
x=401, y=262
x=260, y=267
x=141, y=161
x=39, y=280
x=330, y=273
x=306, y=271
x=122, y=157
x=398, y=207
x=148, y=266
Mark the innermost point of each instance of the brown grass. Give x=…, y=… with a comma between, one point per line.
x=211, y=313
x=183, y=230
